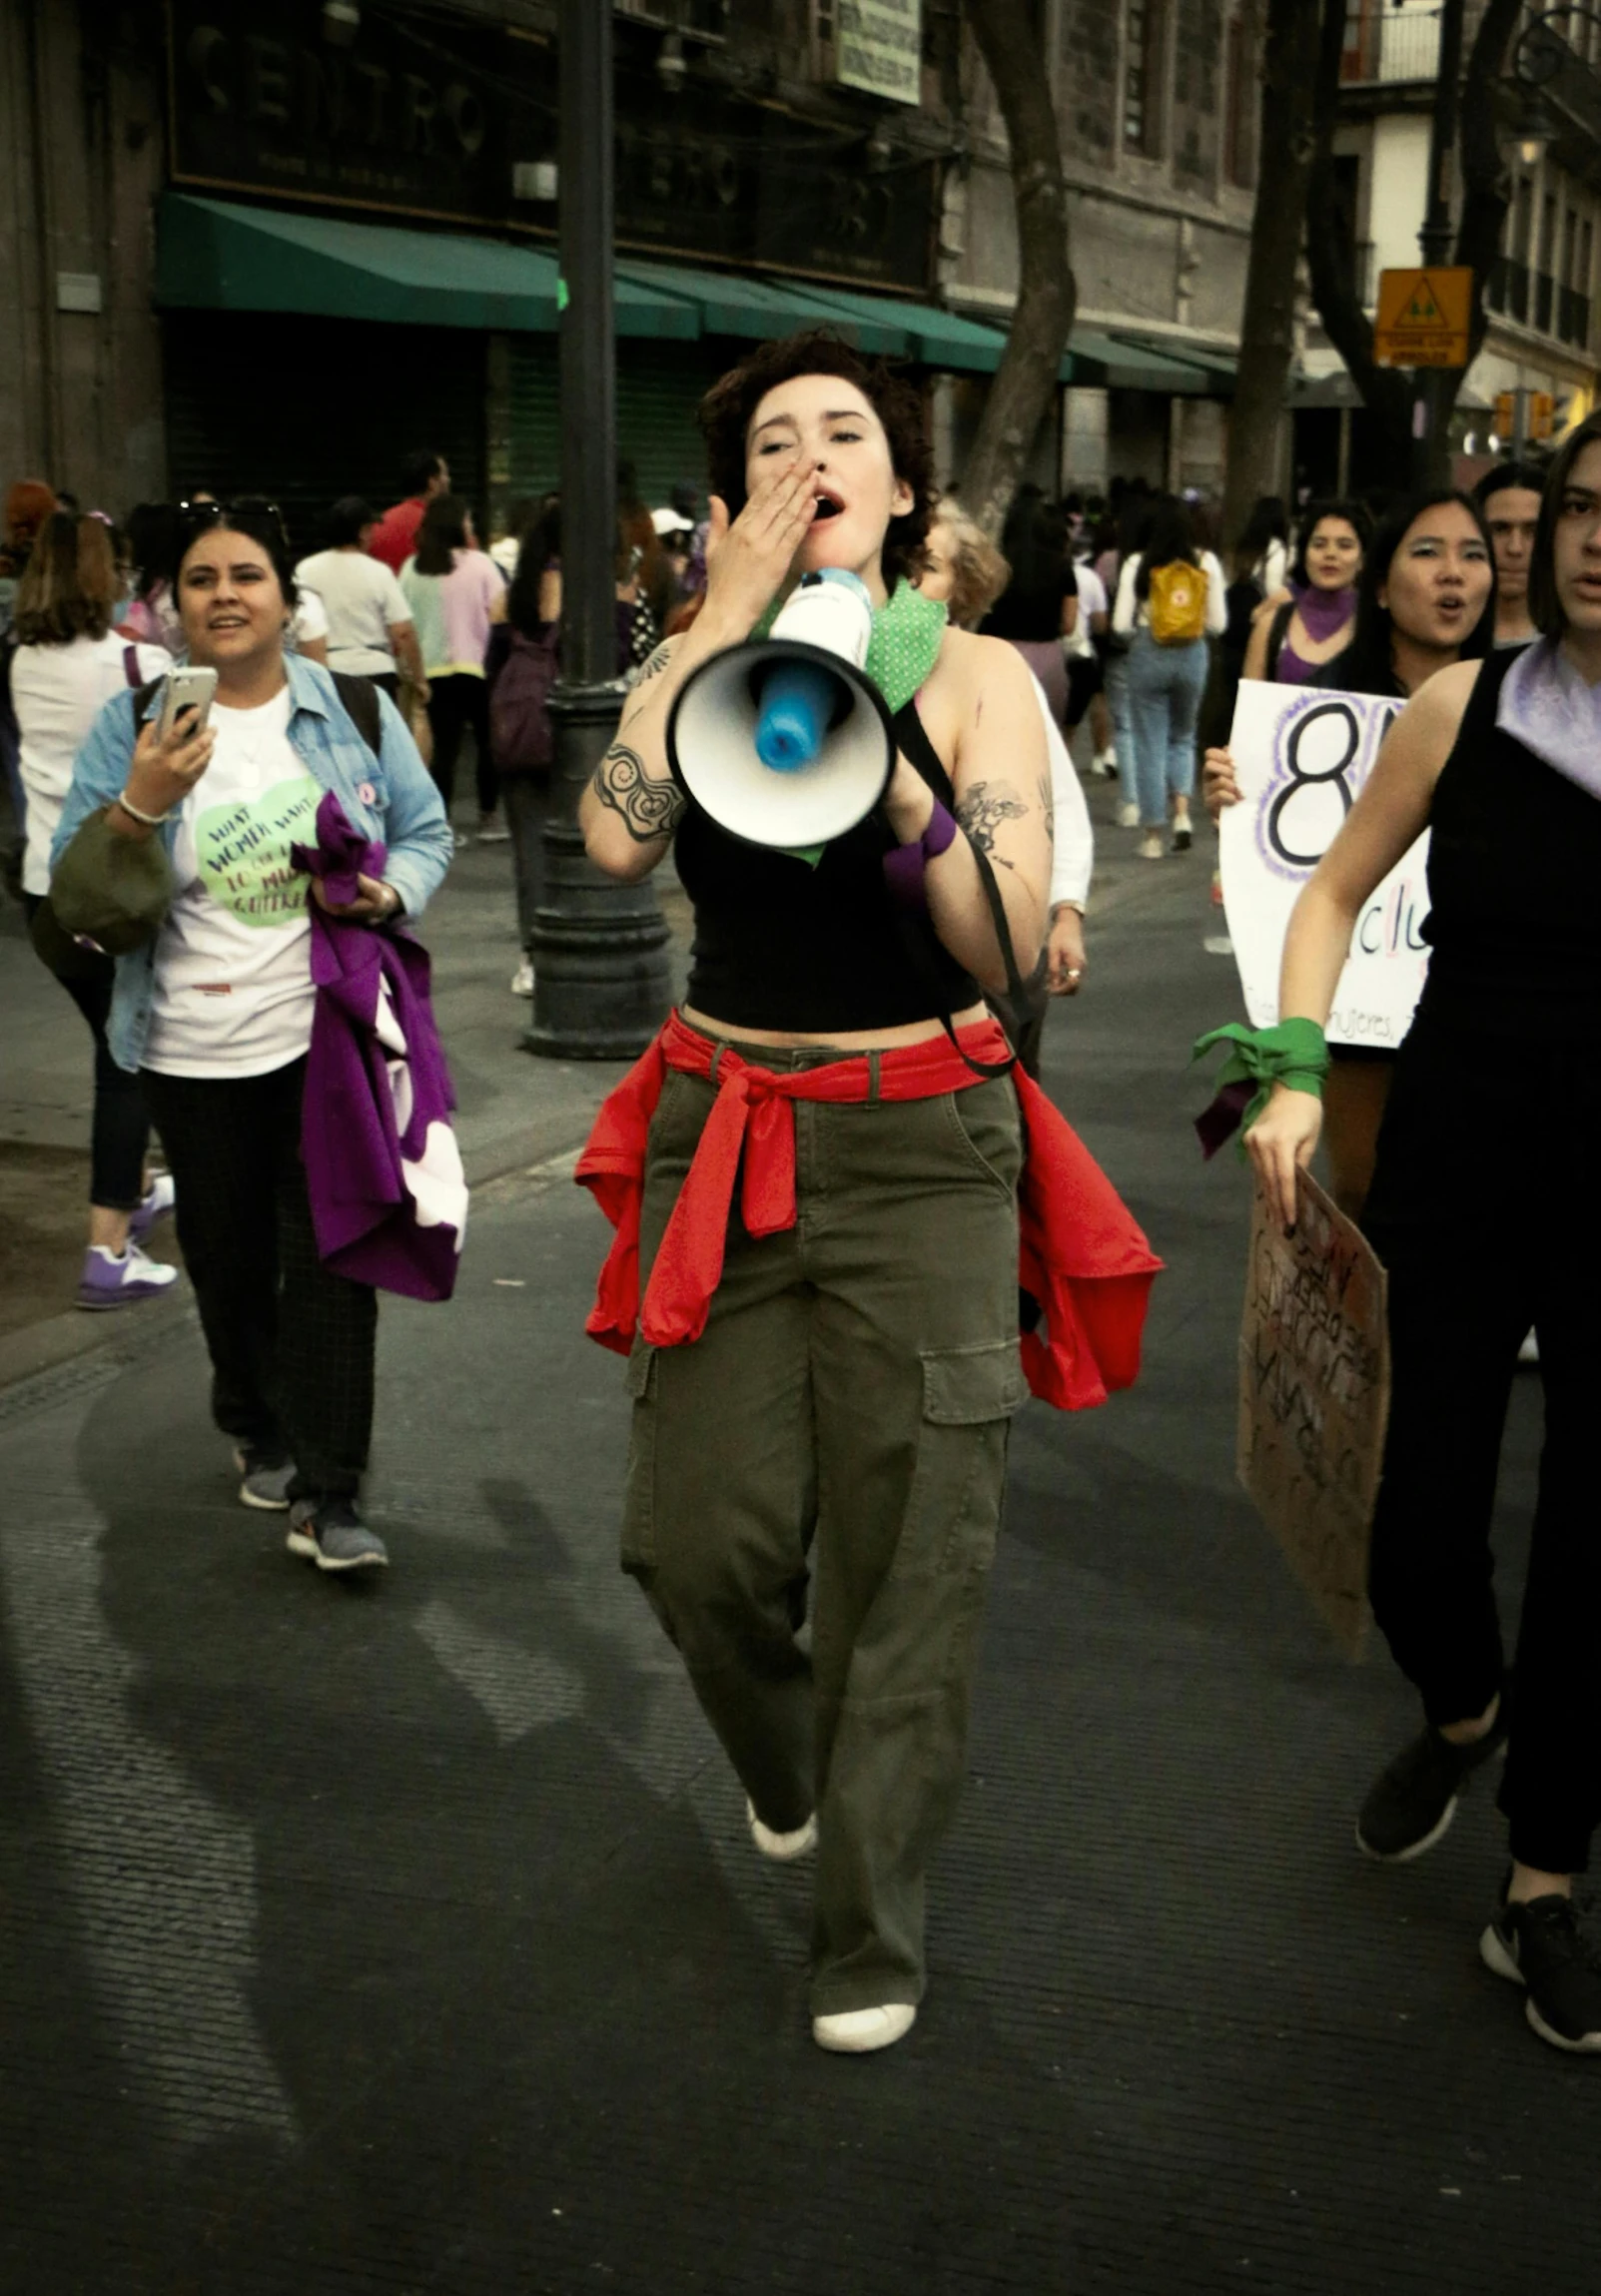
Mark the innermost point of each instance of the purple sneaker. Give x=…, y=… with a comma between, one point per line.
x=159, y=1197
x=108, y=1281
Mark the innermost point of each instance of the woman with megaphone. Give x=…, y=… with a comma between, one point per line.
x=825, y=1357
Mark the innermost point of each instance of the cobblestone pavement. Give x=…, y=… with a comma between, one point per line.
x=406, y=1939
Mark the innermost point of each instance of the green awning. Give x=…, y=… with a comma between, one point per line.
x=211, y=255
x=1215, y=366
x=934, y=337
x=1111, y=362
x=730, y=302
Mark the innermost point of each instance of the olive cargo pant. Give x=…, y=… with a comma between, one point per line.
x=847, y=1407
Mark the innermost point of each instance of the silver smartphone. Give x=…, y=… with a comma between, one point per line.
x=187, y=689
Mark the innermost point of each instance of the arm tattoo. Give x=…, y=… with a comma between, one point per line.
x=981, y=811
x=1047, y=805
x=649, y=808
x=656, y=664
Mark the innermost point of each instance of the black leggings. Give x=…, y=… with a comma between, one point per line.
x=1480, y=1210
x=120, y=1132
x=456, y=701
x=290, y=1343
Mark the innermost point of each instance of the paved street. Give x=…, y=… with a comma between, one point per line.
x=408, y=1938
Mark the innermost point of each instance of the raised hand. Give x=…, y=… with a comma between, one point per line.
x=166, y=769
x=749, y=558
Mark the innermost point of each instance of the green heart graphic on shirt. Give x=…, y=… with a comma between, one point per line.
x=242, y=852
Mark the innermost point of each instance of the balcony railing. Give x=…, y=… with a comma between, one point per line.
x=1389, y=43
x=1534, y=298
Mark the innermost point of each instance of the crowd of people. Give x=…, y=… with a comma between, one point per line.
x=852, y=1232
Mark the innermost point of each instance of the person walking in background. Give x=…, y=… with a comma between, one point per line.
x=1040, y=605
x=371, y=632
x=68, y=663
x=216, y=1007
x=425, y=477
x=520, y=669
x=1169, y=601
x=1509, y=497
x=151, y=615
x=455, y=595
x=1291, y=641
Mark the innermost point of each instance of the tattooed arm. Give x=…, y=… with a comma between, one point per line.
x=1002, y=776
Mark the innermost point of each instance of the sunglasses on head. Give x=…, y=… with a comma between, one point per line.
x=213, y=513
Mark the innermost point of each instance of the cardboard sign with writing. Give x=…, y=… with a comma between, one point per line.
x=1301, y=756
x=1315, y=1399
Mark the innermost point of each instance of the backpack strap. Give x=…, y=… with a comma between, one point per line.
x=359, y=698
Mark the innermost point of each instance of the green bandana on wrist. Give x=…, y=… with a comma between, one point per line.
x=1294, y=1054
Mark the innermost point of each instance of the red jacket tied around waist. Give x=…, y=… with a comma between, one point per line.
x=1081, y=1257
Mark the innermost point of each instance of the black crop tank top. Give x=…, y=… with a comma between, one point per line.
x=1514, y=879
x=781, y=945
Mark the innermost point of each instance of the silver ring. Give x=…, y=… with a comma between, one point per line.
x=1075, y=972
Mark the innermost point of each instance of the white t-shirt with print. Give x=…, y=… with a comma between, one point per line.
x=57, y=693
x=363, y=598
x=233, y=985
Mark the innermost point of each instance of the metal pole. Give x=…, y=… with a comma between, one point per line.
x=1434, y=239
x=599, y=947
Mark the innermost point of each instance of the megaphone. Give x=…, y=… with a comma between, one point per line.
x=786, y=741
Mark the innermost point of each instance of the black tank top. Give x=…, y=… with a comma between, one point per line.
x=781, y=945
x=1514, y=879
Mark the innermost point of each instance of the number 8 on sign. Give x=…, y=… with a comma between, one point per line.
x=1321, y=746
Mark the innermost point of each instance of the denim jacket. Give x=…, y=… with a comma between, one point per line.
x=390, y=798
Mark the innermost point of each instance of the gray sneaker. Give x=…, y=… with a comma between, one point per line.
x=329, y=1533
x=264, y=1478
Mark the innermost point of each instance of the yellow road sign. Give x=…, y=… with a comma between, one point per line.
x=1424, y=318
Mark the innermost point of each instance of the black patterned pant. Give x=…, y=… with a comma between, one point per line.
x=290, y=1343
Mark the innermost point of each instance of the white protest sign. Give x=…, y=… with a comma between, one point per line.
x=1300, y=757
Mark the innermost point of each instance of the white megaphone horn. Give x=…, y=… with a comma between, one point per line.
x=786, y=741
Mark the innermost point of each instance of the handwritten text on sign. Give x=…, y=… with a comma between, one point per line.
x=1315, y=1399
x=1300, y=758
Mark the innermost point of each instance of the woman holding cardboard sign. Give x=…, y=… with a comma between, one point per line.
x=1501, y=761
x=1425, y=601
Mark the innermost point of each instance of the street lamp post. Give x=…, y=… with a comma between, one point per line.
x=599, y=947
x=1434, y=239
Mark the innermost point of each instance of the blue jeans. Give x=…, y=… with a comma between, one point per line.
x=1117, y=690
x=1166, y=684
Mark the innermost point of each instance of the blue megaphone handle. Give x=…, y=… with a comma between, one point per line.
x=797, y=708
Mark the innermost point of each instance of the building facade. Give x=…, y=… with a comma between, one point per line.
x=273, y=245
x=1541, y=296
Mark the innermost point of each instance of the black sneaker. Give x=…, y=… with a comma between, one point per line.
x=1541, y=1947
x=1410, y=1804
x=329, y=1533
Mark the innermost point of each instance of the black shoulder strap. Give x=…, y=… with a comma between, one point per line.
x=143, y=697
x=360, y=697
x=918, y=932
x=1277, y=631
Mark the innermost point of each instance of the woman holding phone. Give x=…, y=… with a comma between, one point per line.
x=1480, y=1211
x=214, y=1011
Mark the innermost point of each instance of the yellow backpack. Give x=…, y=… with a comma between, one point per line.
x=1177, y=604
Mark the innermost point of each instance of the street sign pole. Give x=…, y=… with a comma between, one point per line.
x=1430, y=449
x=601, y=986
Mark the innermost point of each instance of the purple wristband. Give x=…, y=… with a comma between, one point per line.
x=903, y=865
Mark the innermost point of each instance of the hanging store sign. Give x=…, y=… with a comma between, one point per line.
x=877, y=46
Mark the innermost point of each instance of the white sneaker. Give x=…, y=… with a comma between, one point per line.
x=109, y=1280
x=1529, y=1351
x=1105, y=762
x=1150, y=846
x=854, y=2032
x=1128, y=817
x=781, y=1847
x=522, y=979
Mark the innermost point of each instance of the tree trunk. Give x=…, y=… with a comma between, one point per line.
x=1006, y=35
x=1330, y=259
x=1286, y=146
x=1389, y=393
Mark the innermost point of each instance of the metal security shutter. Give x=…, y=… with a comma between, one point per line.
x=659, y=387
x=305, y=410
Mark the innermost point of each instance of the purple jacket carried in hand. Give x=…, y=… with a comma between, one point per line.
x=382, y=1171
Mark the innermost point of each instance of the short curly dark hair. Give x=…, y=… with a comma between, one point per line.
x=727, y=408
